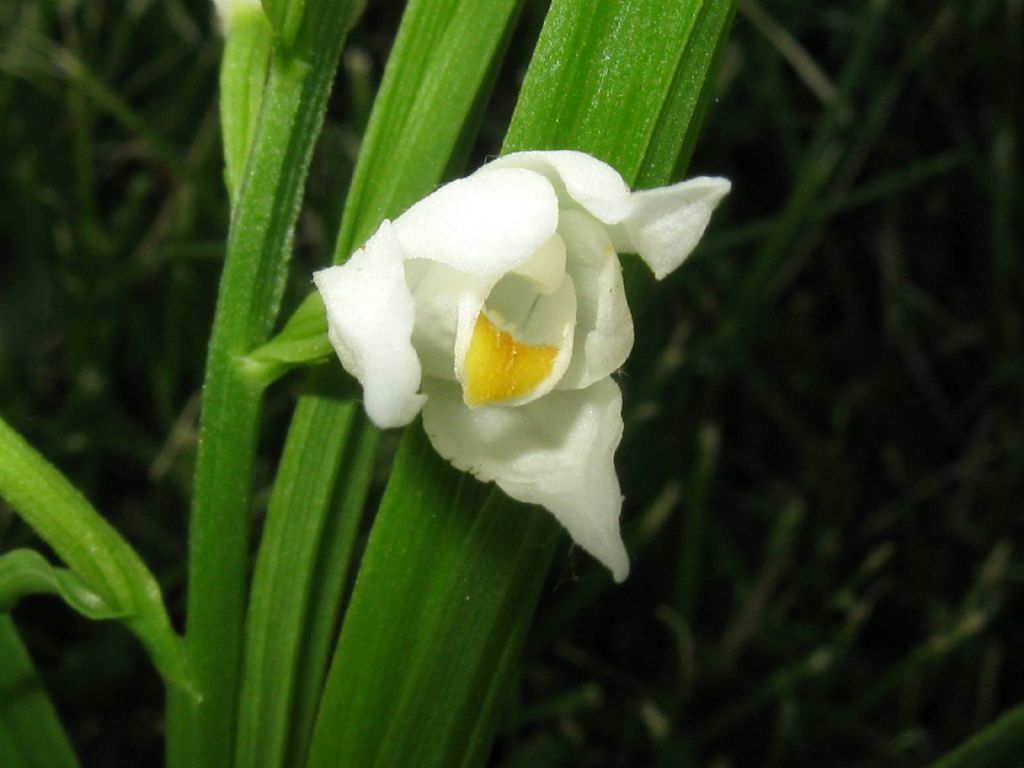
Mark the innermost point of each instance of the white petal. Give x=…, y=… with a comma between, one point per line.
x=557, y=452
x=516, y=307
x=487, y=223
x=604, y=326
x=665, y=224
x=370, y=316
x=578, y=178
x=546, y=267
x=447, y=301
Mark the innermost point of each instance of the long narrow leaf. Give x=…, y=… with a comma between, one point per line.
x=1000, y=744
x=421, y=646
x=331, y=581
x=26, y=572
x=31, y=734
x=282, y=585
x=449, y=583
x=104, y=562
x=624, y=81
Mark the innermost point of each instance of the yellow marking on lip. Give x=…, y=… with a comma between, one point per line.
x=498, y=367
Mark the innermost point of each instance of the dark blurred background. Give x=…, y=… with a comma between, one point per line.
x=824, y=411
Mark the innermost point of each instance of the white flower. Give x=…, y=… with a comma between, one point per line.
x=496, y=305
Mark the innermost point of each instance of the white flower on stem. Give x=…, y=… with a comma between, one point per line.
x=496, y=305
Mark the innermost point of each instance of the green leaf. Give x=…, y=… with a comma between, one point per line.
x=654, y=55
x=456, y=568
x=26, y=572
x=31, y=734
x=692, y=90
x=331, y=582
x=302, y=341
x=103, y=562
x=435, y=624
x=1000, y=745
x=283, y=631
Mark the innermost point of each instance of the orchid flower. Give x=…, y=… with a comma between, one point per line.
x=496, y=306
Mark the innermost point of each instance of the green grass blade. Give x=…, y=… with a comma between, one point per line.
x=31, y=734
x=104, y=562
x=425, y=101
x=259, y=245
x=456, y=568
x=817, y=168
x=999, y=745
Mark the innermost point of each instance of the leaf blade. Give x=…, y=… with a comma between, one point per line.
x=435, y=537
x=106, y=564
x=31, y=734
x=26, y=572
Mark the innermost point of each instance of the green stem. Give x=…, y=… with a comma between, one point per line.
x=259, y=244
x=219, y=535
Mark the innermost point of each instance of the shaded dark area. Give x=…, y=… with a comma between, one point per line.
x=824, y=450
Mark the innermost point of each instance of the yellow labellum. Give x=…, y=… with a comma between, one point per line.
x=498, y=367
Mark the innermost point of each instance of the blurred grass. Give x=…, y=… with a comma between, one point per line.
x=824, y=450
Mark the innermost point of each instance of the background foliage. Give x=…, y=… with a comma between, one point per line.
x=823, y=450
